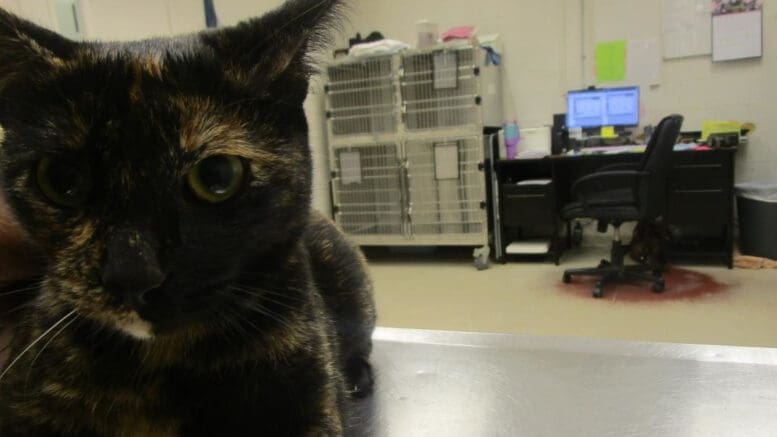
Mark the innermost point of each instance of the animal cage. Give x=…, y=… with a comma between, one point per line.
x=439, y=90
x=367, y=191
x=445, y=190
x=406, y=146
x=361, y=97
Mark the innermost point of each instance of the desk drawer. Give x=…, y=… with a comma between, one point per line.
x=528, y=205
x=689, y=206
x=699, y=176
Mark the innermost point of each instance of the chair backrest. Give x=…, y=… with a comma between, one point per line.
x=657, y=161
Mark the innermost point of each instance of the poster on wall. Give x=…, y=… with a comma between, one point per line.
x=737, y=29
x=610, y=61
x=686, y=28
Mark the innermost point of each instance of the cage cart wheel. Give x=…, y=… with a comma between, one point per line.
x=480, y=255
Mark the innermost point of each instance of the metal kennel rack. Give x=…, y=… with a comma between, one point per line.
x=407, y=147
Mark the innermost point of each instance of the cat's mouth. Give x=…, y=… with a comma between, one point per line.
x=143, y=316
x=127, y=322
x=123, y=319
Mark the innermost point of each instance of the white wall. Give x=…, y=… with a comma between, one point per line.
x=232, y=11
x=121, y=20
x=698, y=88
x=41, y=12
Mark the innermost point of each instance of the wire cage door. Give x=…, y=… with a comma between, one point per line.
x=446, y=190
x=440, y=89
x=361, y=97
x=368, y=191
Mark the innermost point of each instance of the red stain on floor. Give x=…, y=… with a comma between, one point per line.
x=681, y=284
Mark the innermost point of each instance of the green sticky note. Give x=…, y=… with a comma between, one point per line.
x=608, y=132
x=611, y=61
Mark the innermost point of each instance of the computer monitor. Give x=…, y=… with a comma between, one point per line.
x=594, y=108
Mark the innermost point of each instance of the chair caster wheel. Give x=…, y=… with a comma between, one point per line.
x=658, y=287
x=598, y=292
x=567, y=278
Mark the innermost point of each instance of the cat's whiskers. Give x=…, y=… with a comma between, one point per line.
x=257, y=307
x=285, y=292
x=16, y=309
x=36, y=341
x=52, y=339
x=45, y=345
x=262, y=310
x=28, y=289
x=267, y=297
x=237, y=327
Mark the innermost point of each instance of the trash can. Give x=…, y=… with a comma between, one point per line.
x=757, y=209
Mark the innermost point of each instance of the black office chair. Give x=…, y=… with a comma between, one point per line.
x=614, y=195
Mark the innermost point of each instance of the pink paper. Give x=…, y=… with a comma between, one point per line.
x=461, y=32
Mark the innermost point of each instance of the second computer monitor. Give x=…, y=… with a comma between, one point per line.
x=603, y=107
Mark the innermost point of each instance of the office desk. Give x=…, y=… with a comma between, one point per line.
x=700, y=197
x=434, y=383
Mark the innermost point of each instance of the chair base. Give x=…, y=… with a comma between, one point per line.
x=615, y=271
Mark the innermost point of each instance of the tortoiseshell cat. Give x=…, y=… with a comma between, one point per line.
x=188, y=288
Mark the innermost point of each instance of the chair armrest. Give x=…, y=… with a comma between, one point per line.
x=592, y=189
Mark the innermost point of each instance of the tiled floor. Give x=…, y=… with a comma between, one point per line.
x=709, y=305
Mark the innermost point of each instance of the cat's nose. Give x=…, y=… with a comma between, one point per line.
x=137, y=284
x=131, y=269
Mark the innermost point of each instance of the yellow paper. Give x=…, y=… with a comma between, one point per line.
x=608, y=132
x=719, y=127
x=611, y=61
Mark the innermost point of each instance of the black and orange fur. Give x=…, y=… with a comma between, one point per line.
x=261, y=313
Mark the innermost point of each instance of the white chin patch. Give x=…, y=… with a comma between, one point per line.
x=136, y=327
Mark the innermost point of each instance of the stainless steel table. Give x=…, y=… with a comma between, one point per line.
x=433, y=383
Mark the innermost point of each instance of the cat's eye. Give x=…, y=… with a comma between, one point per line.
x=216, y=178
x=62, y=182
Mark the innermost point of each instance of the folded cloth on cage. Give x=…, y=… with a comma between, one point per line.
x=382, y=47
x=461, y=32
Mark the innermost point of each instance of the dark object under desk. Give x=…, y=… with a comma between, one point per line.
x=699, y=209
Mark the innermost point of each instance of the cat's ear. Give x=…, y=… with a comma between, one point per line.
x=278, y=43
x=26, y=47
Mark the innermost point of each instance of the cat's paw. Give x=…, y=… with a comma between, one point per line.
x=359, y=377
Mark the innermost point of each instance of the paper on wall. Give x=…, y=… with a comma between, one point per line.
x=611, y=61
x=737, y=36
x=686, y=28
